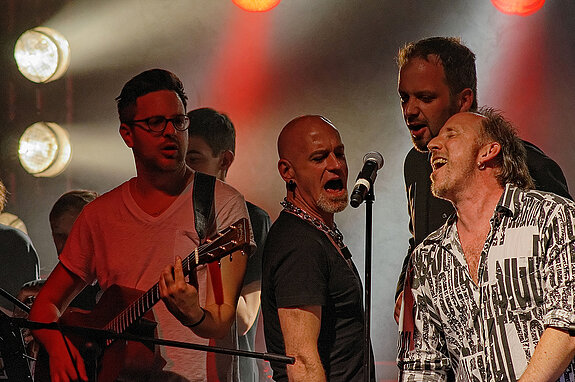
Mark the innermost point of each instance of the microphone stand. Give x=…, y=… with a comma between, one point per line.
x=16, y=367
x=369, y=199
x=14, y=300
x=101, y=335
x=16, y=353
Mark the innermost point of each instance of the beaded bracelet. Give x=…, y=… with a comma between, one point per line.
x=199, y=321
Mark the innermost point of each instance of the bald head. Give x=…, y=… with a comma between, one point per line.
x=312, y=163
x=298, y=129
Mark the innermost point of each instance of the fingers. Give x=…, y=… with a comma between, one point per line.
x=172, y=278
x=178, y=270
x=62, y=366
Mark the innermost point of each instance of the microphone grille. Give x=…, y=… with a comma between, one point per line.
x=374, y=156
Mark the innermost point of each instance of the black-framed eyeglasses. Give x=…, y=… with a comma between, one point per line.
x=158, y=123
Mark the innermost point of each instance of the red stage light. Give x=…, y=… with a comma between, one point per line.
x=518, y=7
x=256, y=5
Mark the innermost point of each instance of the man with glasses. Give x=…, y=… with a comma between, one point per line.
x=130, y=234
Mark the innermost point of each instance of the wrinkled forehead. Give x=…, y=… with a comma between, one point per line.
x=305, y=138
x=464, y=121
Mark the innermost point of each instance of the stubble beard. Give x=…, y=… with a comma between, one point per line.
x=438, y=190
x=332, y=205
x=419, y=145
x=452, y=183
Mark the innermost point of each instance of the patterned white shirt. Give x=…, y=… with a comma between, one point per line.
x=488, y=332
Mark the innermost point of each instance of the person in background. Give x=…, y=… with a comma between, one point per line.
x=20, y=262
x=493, y=290
x=437, y=78
x=62, y=216
x=211, y=150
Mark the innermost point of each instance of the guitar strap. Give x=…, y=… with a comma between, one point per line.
x=204, y=215
x=203, y=199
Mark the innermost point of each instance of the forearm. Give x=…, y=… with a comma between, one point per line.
x=221, y=305
x=248, y=307
x=300, y=328
x=51, y=302
x=307, y=367
x=552, y=355
x=216, y=323
x=53, y=299
x=47, y=314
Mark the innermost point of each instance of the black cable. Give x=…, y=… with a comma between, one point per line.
x=74, y=363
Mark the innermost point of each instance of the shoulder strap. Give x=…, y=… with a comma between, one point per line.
x=203, y=199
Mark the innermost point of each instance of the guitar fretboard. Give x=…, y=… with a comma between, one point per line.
x=236, y=235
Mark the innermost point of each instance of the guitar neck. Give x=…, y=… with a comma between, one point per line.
x=142, y=305
x=235, y=237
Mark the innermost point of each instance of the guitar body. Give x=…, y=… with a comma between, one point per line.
x=127, y=359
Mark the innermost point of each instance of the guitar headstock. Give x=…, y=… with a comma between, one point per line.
x=234, y=238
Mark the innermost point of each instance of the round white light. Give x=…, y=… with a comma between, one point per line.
x=42, y=54
x=44, y=149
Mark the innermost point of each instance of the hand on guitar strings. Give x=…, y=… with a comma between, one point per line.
x=181, y=298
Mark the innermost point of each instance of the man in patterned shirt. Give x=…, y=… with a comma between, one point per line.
x=493, y=290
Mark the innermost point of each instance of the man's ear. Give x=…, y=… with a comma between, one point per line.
x=226, y=160
x=488, y=152
x=286, y=170
x=465, y=99
x=127, y=135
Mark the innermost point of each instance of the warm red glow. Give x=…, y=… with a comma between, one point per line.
x=256, y=5
x=518, y=7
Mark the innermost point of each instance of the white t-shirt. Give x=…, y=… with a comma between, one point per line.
x=116, y=242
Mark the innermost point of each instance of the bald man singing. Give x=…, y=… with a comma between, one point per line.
x=311, y=291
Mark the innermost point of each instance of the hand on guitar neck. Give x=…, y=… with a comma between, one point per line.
x=180, y=297
x=225, y=282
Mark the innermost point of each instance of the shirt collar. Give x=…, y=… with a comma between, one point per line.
x=508, y=206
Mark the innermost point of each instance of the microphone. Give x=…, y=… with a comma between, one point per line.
x=372, y=161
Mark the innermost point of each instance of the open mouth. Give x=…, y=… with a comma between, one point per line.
x=333, y=185
x=417, y=131
x=416, y=126
x=437, y=163
x=170, y=147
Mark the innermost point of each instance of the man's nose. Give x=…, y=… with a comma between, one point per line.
x=334, y=162
x=410, y=107
x=170, y=128
x=434, y=144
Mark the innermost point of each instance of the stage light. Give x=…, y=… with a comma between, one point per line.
x=518, y=7
x=256, y=5
x=42, y=54
x=44, y=149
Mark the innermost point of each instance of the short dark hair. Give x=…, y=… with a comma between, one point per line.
x=147, y=82
x=458, y=61
x=214, y=127
x=512, y=158
x=74, y=200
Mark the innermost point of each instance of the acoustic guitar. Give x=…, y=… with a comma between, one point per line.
x=122, y=309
